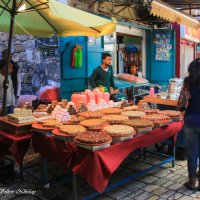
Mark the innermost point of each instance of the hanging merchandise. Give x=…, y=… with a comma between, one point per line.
x=77, y=56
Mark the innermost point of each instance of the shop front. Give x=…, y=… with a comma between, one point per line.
x=187, y=45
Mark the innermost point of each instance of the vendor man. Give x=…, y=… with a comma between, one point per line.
x=103, y=75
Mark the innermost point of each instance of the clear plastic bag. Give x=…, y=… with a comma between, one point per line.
x=175, y=86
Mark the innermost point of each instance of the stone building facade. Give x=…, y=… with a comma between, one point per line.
x=38, y=67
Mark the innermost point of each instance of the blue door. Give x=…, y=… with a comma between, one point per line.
x=76, y=79
x=161, y=55
x=95, y=51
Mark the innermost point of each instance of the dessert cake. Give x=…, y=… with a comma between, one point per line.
x=119, y=130
x=91, y=115
x=111, y=111
x=171, y=113
x=133, y=114
x=93, y=138
x=130, y=108
x=21, y=116
x=115, y=119
x=92, y=123
x=151, y=111
x=140, y=123
x=72, y=129
x=50, y=123
x=75, y=120
x=40, y=114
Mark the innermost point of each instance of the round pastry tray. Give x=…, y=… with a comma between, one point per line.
x=97, y=125
x=144, y=128
x=177, y=118
x=85, y=144
x=121, y=136
x=99, y=128
x=133, y=114
x=161, y=122
x=57, y=132
x=41, y=127
x=139, y=117
x=116, y=123
x=68, y=123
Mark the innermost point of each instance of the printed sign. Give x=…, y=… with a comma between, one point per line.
x=163, y=47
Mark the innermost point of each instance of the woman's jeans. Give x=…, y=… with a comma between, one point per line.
x=192, y=135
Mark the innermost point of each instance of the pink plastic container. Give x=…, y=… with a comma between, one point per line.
x=76, y=98
x=106, y=96
x=99, y=95
x=90, y=96
x=151, y=91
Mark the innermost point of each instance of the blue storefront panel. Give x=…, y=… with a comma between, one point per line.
x=76, y=79
x=161, y=55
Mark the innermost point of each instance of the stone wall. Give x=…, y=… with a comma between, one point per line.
x=36, y=68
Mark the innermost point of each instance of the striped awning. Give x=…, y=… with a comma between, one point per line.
x=169, y=13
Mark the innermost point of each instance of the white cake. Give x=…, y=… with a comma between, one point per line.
x=18, y=112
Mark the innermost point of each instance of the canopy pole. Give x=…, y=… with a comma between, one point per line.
x=8, y=56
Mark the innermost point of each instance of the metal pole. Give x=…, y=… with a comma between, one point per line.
x=8, y=58
x=74, y=186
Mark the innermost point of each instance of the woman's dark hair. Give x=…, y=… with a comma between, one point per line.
x=105, y=55
x=194, y=75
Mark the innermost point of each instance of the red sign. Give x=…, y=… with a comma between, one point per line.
x=192, y=34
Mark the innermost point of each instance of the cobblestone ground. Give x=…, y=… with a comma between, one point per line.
x=162, y=183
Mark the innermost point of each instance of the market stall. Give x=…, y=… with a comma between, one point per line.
x=91, y=128
x=79, y=160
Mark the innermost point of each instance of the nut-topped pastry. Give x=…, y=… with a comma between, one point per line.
x=115, y=119
x=119, y=130
x=133, y=114
x=170, y=113
x=156, y=117
x=111, y=111
x=52, y=123
x=130, y=108
x=93, y=138
x=140, y=123
x=71, y=110
x=150, y=111
x=91, y=115
x=75, y=120
x=72, y=129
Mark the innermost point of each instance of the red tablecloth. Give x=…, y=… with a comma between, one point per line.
x=17, y=144
x=97, y=167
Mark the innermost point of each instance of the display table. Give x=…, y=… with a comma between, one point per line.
x=97, y=167
x=13, y=128
x=156, y=100
x=10, y=140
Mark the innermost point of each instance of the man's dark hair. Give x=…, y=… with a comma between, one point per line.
x=105, y=55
